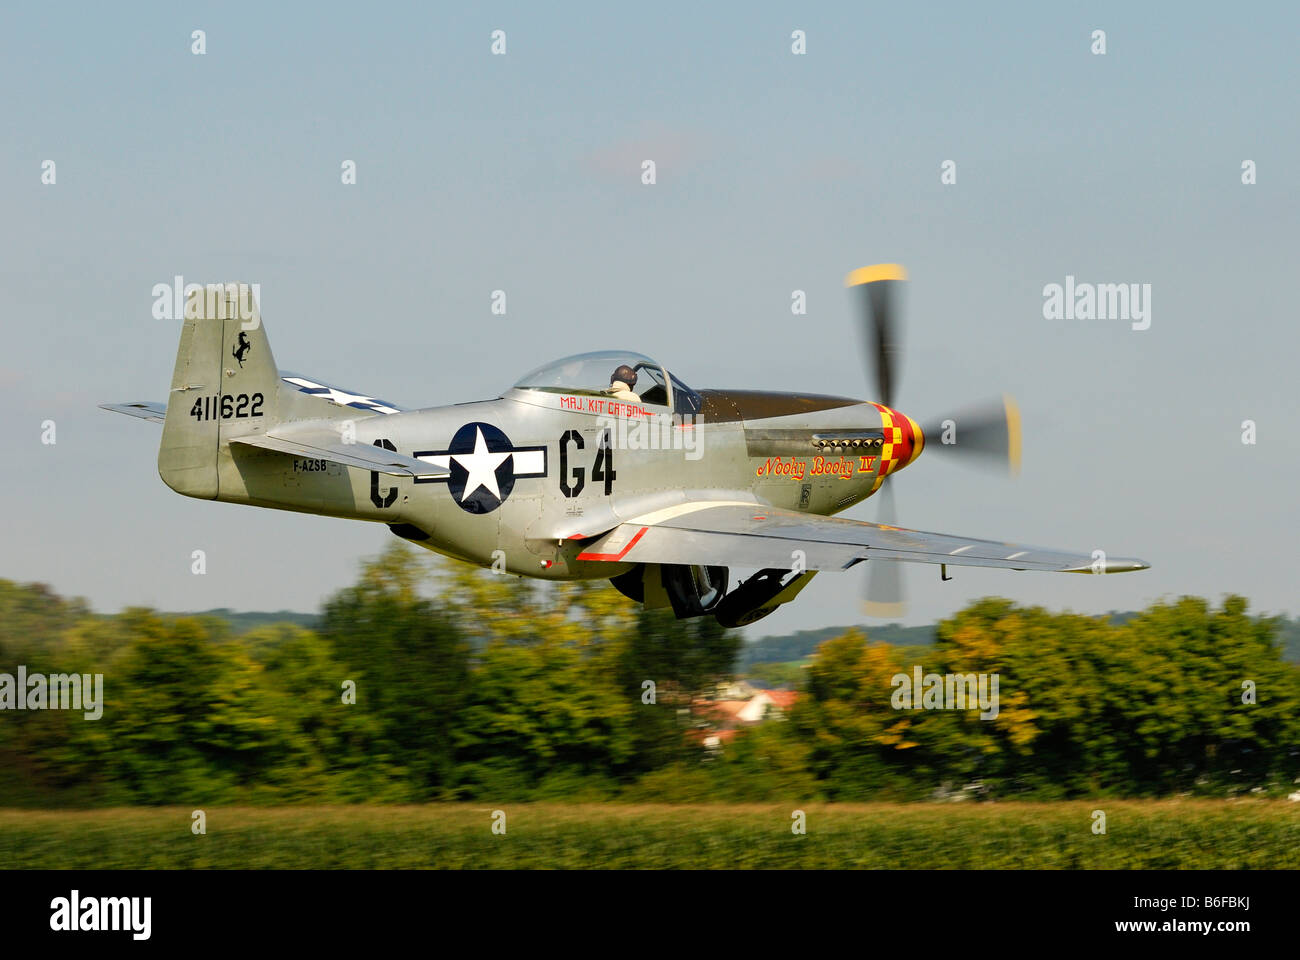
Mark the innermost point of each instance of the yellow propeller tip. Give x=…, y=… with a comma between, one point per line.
x=1013, y=432
x=880, y=271
x=887, y=611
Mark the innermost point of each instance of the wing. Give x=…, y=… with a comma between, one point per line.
x=145, y=410
x=745, y=535
x=326, y=445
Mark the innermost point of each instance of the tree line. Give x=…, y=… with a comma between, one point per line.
x=428, y=680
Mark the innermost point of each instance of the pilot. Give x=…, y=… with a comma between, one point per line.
x=621, y=382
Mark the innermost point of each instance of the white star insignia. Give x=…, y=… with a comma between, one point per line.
x=482, y=466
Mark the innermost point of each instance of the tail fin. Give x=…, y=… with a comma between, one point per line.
x=225, y=385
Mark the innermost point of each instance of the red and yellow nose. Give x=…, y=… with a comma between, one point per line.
x=903, y=441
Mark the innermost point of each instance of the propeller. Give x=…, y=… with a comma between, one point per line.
x=985, y=434
x=877, y=290
x=884, y=592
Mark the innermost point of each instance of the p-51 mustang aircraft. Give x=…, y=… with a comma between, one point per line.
x=598, y=466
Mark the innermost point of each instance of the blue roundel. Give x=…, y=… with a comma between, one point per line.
x=483, y=466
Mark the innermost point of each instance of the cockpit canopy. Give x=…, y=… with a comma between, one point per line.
x=592, y=373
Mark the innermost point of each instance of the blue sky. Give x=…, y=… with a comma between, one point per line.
x=775, y=172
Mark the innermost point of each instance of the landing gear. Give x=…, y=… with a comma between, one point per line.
x=691, y=591
x=760, y=595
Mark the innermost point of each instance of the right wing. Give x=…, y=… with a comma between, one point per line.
x=749, y=535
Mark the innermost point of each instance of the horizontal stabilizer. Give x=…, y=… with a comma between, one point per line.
x=326, y=445
x=156, y=412
x=337, y=395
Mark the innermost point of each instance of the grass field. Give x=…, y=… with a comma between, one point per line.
x=1175, y=834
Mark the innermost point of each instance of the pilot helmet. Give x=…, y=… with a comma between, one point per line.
x=625, y=374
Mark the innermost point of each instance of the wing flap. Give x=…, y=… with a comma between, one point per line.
x=748, y=536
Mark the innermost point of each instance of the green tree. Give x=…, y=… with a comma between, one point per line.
x=410, y=663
